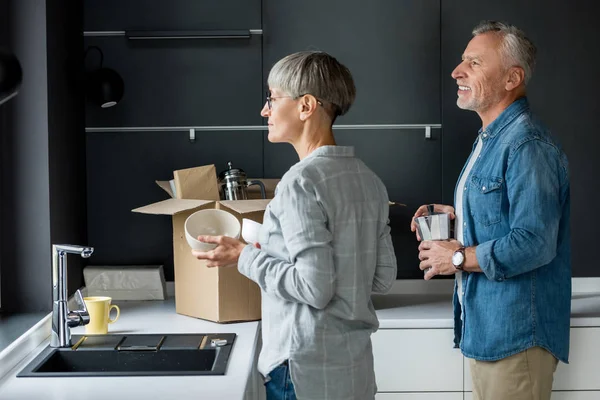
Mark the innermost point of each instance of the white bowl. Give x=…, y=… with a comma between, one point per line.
x=211, y=222
x=250, y=230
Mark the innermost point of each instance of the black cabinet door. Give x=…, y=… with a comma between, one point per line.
x=119, y=15
x=407, y=163
x=181, y=83
x=177, y=82
x=121, y=173
x=563, y=93
x=390, y=46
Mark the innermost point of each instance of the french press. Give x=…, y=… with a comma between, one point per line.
x=234, y=183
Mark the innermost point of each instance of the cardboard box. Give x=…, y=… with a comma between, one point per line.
x=215, y=294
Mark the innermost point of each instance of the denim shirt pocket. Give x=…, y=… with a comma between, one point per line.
x=485, y=198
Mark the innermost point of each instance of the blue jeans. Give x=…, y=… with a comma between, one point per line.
x=280, y=387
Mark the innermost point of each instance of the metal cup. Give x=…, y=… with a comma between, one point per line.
x=435, y=226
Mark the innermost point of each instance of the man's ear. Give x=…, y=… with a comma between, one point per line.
x=516, y=76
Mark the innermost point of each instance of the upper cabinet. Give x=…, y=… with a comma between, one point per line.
x=177, y=81
x=392, y=48
x=116, y=15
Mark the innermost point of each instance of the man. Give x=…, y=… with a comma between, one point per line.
x=513, y=276
x=324, y=246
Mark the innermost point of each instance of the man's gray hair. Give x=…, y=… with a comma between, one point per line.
x=516, y=48
x=316, y=73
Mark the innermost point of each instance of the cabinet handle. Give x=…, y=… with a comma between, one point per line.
x=170, y=35
x=175, y=34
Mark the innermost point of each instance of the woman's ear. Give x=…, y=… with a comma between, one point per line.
x=307, y=105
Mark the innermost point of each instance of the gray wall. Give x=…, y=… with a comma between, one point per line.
x=42, y=166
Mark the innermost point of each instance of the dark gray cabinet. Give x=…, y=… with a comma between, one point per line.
x=177, y=82
x=181, y=82
x=390, y=46
x=407, y=163
x=118, y=15
x=121, y=173
x=563, y=93
x=168, y=83
x=392, y=49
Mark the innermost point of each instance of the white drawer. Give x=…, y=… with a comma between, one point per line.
x=583, y=370
x=575, y=395
x=419, y=396
x=560, y=396
x=417, y=360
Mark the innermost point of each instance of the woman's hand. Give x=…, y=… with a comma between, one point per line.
x=227, y=252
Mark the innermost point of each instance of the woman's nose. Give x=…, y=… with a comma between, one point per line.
x=265, y=110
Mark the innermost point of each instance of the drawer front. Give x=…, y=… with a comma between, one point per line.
x=420, y=396
x=584, y=363
x=560, y=395
x=417, y=360
x=583, y=370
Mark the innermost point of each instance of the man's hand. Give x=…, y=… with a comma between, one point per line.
x=436, y=257
x=423, y=211
x=227, y=252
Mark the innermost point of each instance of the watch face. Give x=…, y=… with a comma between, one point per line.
x=458, y=258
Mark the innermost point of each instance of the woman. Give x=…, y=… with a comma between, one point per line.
x=324, y=246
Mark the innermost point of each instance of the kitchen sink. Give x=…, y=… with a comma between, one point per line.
x=135, y=355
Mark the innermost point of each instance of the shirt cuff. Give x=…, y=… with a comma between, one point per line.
x=485, y=258
x=247, y=257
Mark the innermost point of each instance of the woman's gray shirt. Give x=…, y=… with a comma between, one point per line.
x=325, y=248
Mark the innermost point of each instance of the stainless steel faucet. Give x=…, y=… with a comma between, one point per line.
x=63, y=319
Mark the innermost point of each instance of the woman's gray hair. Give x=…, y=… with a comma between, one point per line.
x=516, y=49
x=316, y=73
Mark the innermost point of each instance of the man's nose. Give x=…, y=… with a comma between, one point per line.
x=458, y=72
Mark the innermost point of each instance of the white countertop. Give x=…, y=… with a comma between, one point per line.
x=420, y=304
x=398, y=311
x=146, y=317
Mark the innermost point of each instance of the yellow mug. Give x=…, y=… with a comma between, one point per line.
x=99, y=309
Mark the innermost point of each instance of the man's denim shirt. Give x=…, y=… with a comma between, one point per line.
x=516, y=208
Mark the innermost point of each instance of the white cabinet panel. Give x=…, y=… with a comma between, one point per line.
x=583, y=372
x=417, y=360
x=419, y=396
x=575, y=395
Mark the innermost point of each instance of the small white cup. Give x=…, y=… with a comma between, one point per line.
x=211, y=222
x=250, y=230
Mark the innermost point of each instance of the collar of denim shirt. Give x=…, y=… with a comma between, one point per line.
x=506, y=117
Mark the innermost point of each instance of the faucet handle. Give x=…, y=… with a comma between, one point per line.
x=79, y=300
x=80, y=316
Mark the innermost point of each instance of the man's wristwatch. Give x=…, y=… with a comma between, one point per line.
x=458, y=258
